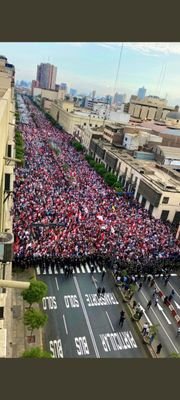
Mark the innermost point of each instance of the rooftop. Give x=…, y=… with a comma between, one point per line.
x=170, y=152
x=159, y=177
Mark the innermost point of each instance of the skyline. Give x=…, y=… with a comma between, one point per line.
x=93, y=66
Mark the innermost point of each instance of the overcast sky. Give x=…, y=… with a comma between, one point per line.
x=89, y=66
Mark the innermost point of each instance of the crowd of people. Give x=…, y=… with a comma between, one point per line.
x=63, y=210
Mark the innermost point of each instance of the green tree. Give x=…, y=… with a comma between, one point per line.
x=36, y=352
x=34, y=319
x=109, y=178
x=36, y=291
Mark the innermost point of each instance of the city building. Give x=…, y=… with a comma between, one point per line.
x=63, y=86
x=149, y=108
x=46, y=76
x=85, y=134
x=154, y=186
x=135, y=138
x=34, y=84
x=141, y=93
x=7, y=164
x=168, y=156
x=119, y=98
x=69, y=116
x=73, y=92
x=172, y=119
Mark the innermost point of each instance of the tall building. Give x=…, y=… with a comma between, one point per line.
x=72, y=92
x=46, y=76
x=119, y=98
x=63, y=86
x=7, y=154
x=33, y=85
x=141, y=93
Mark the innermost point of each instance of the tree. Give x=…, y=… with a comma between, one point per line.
x=36, y=352
x=109, y=178
x=34, y=319
x=36, y=291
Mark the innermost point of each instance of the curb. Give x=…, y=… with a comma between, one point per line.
x=40, y=330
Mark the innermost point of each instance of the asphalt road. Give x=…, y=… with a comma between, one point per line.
x=161, y=315
x=81, y=326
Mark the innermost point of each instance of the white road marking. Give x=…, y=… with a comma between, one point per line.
x=38, y=271
x=50, y=270
x=104, y=269
x=110, y=321
x=88, y=269
x=44, y=272
x=83, y=269
x=57, y=283
x=55, y=270
x=165, y=316
x=98, y=269
x=145, y=315
x=86, y=318
x=65, y=324
x=174, y=289
x=94, y=281
x=61, y=271
x=177, y=351
x=78, y=270
x=177, y=305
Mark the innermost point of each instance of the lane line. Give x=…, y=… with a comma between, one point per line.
x=177, y=351
x=110, y=321
x=65, y=324
x=56, y=283
x=86, y=318
x=174, y=289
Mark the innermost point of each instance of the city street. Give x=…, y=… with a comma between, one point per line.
x=161, y=314
x=80, y=324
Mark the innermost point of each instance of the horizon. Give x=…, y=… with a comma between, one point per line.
x=93, y=66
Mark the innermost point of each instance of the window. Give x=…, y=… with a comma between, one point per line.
x=164, y=215
x=165, y=200
x=1, y=312
x=9, y=150
x=7, y=182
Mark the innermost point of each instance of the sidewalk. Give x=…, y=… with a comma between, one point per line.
x=19, y=332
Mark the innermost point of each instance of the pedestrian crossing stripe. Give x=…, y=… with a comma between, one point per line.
x=56, y=270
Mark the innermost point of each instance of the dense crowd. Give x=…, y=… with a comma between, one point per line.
x=63, y=210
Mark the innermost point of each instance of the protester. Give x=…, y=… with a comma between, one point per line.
x=64, y=211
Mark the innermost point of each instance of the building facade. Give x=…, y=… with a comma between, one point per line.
x=154, y=187
x=7, y=154
x=149, y=108
x=68, y=116
x=46, y=76
x=141, y=93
